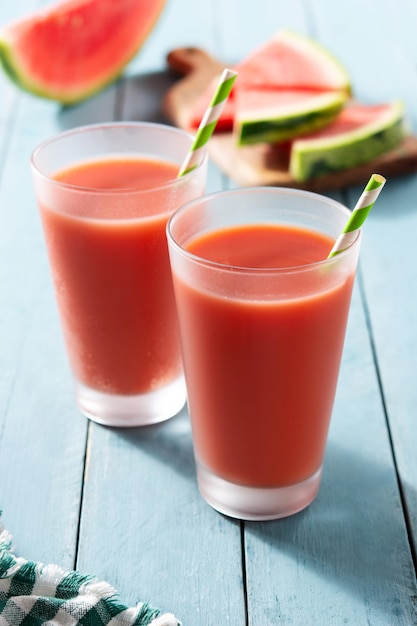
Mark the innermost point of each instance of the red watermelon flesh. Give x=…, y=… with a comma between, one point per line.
x=71, y=49
x=354, y=115
x=287, y=61
x=292, y=61
x=251, y=100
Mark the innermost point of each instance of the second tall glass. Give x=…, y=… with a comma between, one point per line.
x=262, y=315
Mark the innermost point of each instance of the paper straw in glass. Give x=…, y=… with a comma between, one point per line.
x=359, y=214
x=209, y=121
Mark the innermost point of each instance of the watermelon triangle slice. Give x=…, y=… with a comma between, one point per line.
x=359, y=134
x=70, y=50
x=267, y=116
x=287, y=61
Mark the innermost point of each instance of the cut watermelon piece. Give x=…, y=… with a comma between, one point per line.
x=275, y=116
x=359, y=134
x=292, y=61
x=71, y=50
x=287, y=61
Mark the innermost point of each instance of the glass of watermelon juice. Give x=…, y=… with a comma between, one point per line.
x=262, y=314
x=105, y=193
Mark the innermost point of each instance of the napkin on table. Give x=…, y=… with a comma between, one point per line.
x=32, y=594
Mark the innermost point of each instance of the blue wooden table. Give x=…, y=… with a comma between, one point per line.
x=123, y=504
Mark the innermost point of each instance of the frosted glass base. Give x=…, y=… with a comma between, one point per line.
x=256, y=504
x=136, y=410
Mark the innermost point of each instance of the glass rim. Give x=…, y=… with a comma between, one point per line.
x=87, y=128
x=195, y=258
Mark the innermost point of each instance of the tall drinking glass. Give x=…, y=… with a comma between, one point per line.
x=105, y=193
x=262, y=316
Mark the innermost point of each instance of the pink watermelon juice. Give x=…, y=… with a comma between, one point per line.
x=105, y=193
x=261, y=371
x=113, y=282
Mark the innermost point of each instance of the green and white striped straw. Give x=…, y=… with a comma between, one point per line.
x=359, y=214
x=209, y=121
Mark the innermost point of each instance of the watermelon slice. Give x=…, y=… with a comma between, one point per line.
x=275, y=116
x=71, y=50
x=287, y=61
x=359, y=134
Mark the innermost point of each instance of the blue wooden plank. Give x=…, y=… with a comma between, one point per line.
x=12, y=11
x=8, y=102
x=381, y=61
x=41, y=444
x=390, y=278
x=146, y=529
x=42, y=435
x=243, y=26
x=380, y=52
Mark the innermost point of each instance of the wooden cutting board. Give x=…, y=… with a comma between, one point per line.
x=263, y=164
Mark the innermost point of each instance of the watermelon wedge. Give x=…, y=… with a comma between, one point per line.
x=71, y=50
x=287, y=61
x=359, y=134
x=263, y=116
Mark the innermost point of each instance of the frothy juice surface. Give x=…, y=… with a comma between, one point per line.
x=262, y=373
x=112, y=277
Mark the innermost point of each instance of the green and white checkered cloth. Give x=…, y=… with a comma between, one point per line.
x=32, y=594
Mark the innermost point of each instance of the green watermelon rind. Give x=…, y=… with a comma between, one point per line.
x=313, y=158
x=18, y=75
x=286, y=123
